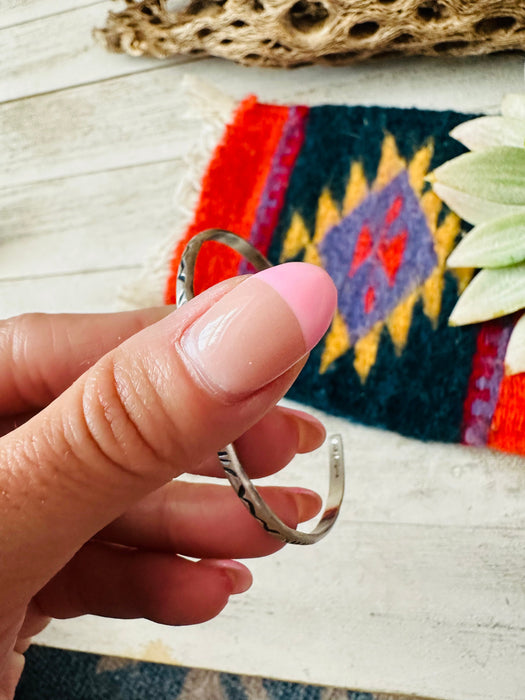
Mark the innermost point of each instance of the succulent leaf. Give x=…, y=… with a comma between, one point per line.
x=494, y=174
x=486, y=187
x=513, y=106
x=492, y=293
x=515, y=354
x=487, y=132
x=473, y=209
x=497, y=243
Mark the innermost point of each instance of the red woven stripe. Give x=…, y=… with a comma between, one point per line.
x=231, y=190
x=507, y=431
x=283, y=162
x=485, y=381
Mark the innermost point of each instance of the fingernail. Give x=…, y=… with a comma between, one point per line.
x=261, y=328
x=308, y=503
x=238, y=574
x=312, y=432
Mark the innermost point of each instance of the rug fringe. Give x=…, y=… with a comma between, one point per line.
x=214, y=109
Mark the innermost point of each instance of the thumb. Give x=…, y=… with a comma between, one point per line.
x=153, y=408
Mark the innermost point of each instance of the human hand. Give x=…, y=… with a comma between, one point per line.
x=98, y=415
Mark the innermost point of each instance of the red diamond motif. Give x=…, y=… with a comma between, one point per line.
x=363, y=248
x=390, y=253
x=370, y=299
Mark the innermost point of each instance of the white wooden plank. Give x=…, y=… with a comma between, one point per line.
x=437, y=612
x=98, y=127
x=91, y=222
x=18, y=11
x=88, y=292
x=59, y=51
x=472, y=84
x=137, y=119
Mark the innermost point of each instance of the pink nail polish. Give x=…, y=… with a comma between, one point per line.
x=261, y=328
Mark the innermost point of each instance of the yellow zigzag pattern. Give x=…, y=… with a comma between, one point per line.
x=298, y=238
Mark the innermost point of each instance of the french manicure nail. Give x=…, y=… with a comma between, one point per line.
x=261, y=328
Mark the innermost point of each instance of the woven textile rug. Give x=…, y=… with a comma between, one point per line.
x=52, y=674
x=345, y=188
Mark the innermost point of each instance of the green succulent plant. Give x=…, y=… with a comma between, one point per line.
x=486, y=188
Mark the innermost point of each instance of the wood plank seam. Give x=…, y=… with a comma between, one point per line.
x=184, y=60
x=86, y=173
x=74, y=273
x=51, y=14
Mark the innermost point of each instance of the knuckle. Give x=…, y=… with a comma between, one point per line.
x=17, y=351
x=125, y=416
x=14, y=331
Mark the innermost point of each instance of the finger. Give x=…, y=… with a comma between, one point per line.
x=11, y=661
x=208, y=520
x=10, y=672
x=42, y=354
x=154, y=407
x=264, y=449
x=118, y=582
x=272, y=443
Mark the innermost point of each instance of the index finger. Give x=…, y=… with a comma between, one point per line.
x=271, y=443
x=42, y=354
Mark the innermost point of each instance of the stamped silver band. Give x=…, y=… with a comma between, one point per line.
x=233, y=469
